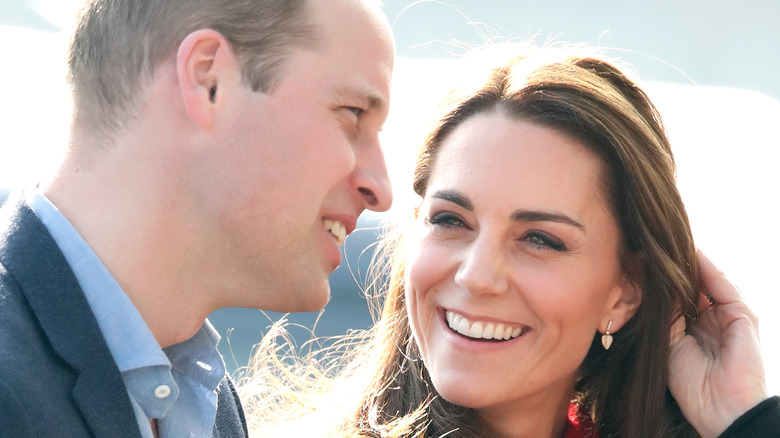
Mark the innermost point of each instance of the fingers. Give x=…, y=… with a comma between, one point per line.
x=705, y=300
x=677, y=333
x=715, y=282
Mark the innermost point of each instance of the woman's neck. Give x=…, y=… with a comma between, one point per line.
x=540, y=415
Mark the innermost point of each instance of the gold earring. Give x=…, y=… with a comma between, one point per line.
x=606, y=338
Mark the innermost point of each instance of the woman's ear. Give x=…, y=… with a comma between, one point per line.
x=626, y=295
x=203, y=62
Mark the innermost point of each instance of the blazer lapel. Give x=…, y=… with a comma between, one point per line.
x=104, y=402
x=62, y=310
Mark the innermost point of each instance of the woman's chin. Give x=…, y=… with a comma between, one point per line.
x=467, y=396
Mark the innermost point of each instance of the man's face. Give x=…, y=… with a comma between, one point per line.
x=298, y=165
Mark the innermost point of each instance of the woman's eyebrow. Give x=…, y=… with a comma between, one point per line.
x=455, y=198
x=544, y=216
x=520, y=215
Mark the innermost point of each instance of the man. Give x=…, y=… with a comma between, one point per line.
x=220, y=152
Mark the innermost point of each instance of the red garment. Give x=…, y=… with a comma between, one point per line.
x=579, y=426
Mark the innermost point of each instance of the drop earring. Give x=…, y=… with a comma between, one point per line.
x=606, y=338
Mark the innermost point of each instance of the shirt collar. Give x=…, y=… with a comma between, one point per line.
x=149, y=372
x=128, y=337
x=198, y=357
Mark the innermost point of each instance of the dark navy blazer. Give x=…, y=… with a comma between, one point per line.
x=57, y=376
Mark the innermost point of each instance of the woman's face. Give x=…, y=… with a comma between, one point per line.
x=512, y=267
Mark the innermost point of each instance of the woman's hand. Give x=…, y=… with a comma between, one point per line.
x=715, y=371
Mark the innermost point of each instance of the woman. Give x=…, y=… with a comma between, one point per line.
x=539, y=288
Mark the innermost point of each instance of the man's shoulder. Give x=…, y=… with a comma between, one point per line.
x=24, y=345
x=22, y=342
x=54, y=365
x=10, y=211
x=30, y=371
x=36, y=383
x=16, y=242
x=16, y=317
x=20, y=229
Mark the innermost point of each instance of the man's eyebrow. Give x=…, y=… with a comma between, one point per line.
x=371, y=98
x=455, y=198
x=544, y=216
x=374, y=101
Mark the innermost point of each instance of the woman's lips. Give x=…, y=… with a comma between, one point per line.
x=483, y=330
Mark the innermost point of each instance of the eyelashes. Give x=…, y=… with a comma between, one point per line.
x=540, y=240
x=357, y=112
x=351, y=117
x=446, y=219
x=544, y=241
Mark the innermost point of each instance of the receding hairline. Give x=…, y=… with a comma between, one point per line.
x=108, y=68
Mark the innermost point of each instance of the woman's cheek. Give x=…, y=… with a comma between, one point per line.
x=420, y=267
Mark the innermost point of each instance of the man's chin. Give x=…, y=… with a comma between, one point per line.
x=285, y=298
x=310, y=300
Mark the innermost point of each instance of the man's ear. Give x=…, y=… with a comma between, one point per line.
x=203, y=63
x=625, y=297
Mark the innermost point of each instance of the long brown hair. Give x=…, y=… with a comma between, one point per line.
x=623, y=391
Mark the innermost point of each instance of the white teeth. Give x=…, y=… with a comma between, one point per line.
x=482, y=330
x=476, y=330
x=337, y=229
x=507, y=332
x=487, y=332
x=463, y=327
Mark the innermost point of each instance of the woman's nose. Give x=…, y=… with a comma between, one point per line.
x=482, y=270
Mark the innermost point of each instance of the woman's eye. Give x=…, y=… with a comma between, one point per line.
x=544, y=241
x=446, y=219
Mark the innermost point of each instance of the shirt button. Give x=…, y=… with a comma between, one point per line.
x=162, y=391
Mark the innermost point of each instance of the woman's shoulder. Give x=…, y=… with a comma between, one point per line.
x=761, y=421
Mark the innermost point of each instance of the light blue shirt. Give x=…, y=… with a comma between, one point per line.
x=176, y=385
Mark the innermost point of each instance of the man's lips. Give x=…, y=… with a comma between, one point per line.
x=337, y=229
x=339, y=225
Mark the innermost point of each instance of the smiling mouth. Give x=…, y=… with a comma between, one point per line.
x=482, y=330
x=337, y=230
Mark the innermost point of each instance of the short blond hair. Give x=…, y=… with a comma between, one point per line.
x=118, y=44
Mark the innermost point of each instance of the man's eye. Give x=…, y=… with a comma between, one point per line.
x=354, y=110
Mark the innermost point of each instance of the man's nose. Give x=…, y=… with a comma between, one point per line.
x=371, y=178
